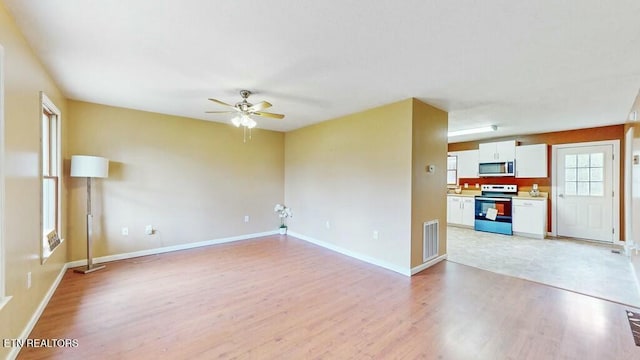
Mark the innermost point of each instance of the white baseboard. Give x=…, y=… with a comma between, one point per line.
x=166, y=249
x=353, y=254
x=43, y=304
x=36, y=315
x=428, y=264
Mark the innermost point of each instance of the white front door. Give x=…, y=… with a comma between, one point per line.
x=584, y=196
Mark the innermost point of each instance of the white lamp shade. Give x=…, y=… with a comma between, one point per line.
x=89, y=166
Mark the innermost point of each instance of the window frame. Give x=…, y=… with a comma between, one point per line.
x=51, y=142
x=4, y=299
x=454, y=170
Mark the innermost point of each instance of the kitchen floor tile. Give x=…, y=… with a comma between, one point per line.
x=590, y=269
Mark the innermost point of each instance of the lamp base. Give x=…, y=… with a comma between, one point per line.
x=86, y=269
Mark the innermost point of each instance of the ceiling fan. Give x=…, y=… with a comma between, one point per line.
x=245, y=109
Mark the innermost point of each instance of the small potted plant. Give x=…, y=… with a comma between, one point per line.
x=283, y=212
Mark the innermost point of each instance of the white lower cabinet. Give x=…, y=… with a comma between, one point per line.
x=468, y=211
x=460, y=210
x=529, y=217
x=454, y=211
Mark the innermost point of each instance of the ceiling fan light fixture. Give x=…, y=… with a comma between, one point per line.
x=244, y=109
x=478, y=130
x=243, y=120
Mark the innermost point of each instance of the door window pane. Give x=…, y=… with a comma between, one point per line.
x=583, y=160
x=596, y=174
x=584, y=174
x=597, y=188
x=597, y=160
x=583, y=188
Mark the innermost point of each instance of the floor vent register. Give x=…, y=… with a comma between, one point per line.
x=634, y=322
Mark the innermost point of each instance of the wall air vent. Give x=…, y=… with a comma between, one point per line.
x=430, y=240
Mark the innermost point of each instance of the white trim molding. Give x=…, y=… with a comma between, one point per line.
x=362, y=257
x=166, y=249
x=428, y=264
x=45, y=301
x=3, y=300
x=39, y=310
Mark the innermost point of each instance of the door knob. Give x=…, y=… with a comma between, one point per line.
x=561, y=195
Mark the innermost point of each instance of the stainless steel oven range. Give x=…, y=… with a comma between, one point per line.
x=493, y=208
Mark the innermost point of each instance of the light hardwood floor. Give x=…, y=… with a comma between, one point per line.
x=282, y=298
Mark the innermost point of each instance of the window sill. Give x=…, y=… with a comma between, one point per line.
x=4, y=301
x=46, y=253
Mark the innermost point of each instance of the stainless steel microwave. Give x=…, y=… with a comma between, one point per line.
x=505, y=168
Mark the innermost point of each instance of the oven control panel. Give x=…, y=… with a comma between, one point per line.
x=499, y=188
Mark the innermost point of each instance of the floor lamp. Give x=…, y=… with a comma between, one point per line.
x=89, y=167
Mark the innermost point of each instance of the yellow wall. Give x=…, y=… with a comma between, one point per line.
x=365, y=172
x=192, y=180
x=428, y=200
x=24, y=78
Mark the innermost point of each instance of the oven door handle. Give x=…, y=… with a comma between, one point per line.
x=493, y=199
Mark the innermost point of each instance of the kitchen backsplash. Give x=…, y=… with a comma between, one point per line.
x=524, y=184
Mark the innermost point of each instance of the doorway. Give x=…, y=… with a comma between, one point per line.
x=585, y=180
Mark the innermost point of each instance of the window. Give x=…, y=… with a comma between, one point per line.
x=584, y=174
x=452, y=170
x=50, y=156
x=3, y=299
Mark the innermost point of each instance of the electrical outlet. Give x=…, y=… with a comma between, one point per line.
x=328, y=224
x=148, y=230
x=375, y=234
x=246, y=218
x=29, y=280
x=125, y=231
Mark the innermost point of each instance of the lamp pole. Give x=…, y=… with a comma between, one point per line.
x=89, y=167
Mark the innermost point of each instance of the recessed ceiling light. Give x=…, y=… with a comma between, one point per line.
x=472, y=131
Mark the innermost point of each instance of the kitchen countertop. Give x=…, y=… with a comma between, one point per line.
x=522, y=195
x=465, y=193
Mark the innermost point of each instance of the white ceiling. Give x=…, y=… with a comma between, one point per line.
x=526, y=67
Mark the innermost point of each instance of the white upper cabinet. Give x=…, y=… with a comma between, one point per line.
x=467, y=164
x=497, y=151
x=531, y=161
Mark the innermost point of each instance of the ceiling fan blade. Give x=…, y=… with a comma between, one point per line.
x=259, y=106
x=220, y=102
x=219, y=112
x=269, y=115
